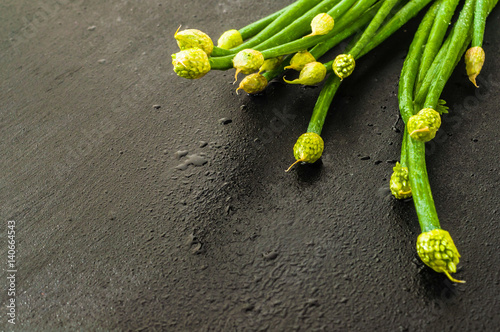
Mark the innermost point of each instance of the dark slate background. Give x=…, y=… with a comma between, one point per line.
x=111, y=236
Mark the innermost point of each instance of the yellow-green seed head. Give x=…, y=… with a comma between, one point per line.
x=424, y=125
x=309, y=147
x=343, y=65
x=230, y=39
x=437, y=250
x=299, y=60
x=247, y=61
x=271, y=64
x=321, y=24
x=474, y=60
x=400, y=182
x=192, y=38
x=312, y=74
x=253, y=83
x=191, y=63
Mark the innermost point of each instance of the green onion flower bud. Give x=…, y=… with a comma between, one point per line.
x=321, y=24
x=312, y=73
x=299, y=60
x=400, y=183
x=247, y=61
x=308, y=148
x=437, y=250
x=191, y=63
x=253, y=83
x=271, y=64
x=474, y=60
x=343, y=65
x=424, y=125
x=230, y=39
x=192, y=38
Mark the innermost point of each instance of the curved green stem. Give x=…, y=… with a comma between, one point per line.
x=294, y=12
x=321, y=48
x=405, y=14
x=458, y=37
x=412, y=61
x=420, y=186
x=372, y=28
x=254, y=28
x=303, y=25
x=436, y=36
x=323, y=104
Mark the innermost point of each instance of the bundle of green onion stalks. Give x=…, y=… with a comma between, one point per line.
x=297, y=36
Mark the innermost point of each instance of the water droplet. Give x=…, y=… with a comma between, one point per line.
x=181, y=153
x=193, y=159
x=225, y=121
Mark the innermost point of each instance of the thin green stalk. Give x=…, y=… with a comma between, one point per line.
x=480, y=13
x=225, y=62
x=325, y=98
x=333, y=82
x=436, y=36
x=412, y=8
x=373, y=27
x=412, y=61
x=254, y=28
x=321, y=48
x=303, y=25
x=294, y=12
x=356, y=26
x=460, y=33
x=433, y=71
x=420, y=186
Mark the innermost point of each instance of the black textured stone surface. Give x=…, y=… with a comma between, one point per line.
x=135, y=217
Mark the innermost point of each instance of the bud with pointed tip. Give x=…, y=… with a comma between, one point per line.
x=308, y=148
x=271, y=64
x=247, y=61
x=193, y=38
x=424, y=125
x=253, y=83
x=229, y=39
x=343, y=65
x=191, y=63
x=474, y=60
x=299, y=60
x=321, y=24
x=312, y=74
x=437, y=250
x=400, y=183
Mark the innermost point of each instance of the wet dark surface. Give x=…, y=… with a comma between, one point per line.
x=137, y=208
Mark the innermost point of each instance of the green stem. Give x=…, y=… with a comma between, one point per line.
x=436, y=36
x=225, y=62
x=405, y=14
x=480, y=14
x=303, y=25
x=412, y=61
x=420, y=186
x=323, y=104
x=321, y=48
x=373, y=27
x=433, y=71
x=254, y=28
x=458, y=37
x=294, y=12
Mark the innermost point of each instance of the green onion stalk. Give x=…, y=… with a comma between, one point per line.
x=309, y=146
x=421, y=113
